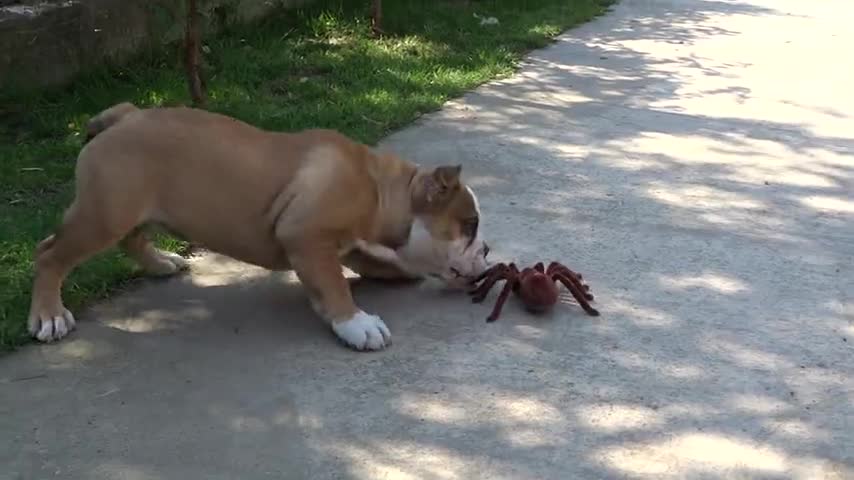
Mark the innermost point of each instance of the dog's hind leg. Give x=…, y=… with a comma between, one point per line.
x=153, y=261
x=84, y=232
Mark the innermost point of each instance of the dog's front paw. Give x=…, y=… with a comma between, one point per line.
x=51, y=326
x=363, y=332
x=165, y=263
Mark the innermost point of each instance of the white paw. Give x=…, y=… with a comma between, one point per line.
x=47, y=328
x=377, y=251
x=167, y=263
x=363, y=332
x=386, y=255
x=180, y=262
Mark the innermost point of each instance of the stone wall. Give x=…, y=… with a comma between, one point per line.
x=45, y=43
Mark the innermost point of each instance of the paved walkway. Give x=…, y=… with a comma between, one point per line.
x=693, y=158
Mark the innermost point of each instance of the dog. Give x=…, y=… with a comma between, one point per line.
x=310, y=201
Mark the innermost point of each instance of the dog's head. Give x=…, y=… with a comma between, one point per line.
x=445, y=241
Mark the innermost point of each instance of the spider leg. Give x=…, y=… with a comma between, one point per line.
x=489, y=271
x=479, y=293
x=515, y=274
x=559, y=267
x=505, y=292
x=571, y=276
x=579, y=294
x=555, y=268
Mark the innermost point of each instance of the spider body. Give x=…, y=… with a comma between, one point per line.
x=535, y=286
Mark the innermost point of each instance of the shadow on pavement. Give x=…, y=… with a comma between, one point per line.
x=718, y=243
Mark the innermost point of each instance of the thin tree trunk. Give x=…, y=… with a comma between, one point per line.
x=193, y=56
x=377, y=17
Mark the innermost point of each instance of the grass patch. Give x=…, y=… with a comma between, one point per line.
x=313, y=67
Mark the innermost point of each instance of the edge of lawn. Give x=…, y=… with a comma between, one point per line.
x=314, y=66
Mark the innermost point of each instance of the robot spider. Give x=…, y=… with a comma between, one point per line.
x=535, y=286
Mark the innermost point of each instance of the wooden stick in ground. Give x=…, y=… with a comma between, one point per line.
x=377, y=17
x=192, y=55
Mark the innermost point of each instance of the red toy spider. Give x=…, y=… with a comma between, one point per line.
x=535, y=286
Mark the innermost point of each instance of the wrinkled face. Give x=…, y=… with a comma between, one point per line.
x=445, y=240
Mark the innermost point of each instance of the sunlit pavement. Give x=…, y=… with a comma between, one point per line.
x=692, y=158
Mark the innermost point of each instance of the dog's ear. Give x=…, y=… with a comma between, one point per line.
x=433, y=189
x=447, y=176
x=436, y=187
x=443, y=180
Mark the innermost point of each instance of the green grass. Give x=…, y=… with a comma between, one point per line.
x=313, y=67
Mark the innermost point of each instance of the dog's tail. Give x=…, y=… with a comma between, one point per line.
x=108, y=118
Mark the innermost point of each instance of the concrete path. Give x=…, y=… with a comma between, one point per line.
x=693, y=158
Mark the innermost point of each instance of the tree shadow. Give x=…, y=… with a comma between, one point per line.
x=723, y=349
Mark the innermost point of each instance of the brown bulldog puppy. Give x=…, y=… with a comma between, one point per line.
x=309, y=201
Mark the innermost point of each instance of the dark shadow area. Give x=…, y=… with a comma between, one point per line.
x=719, y=249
